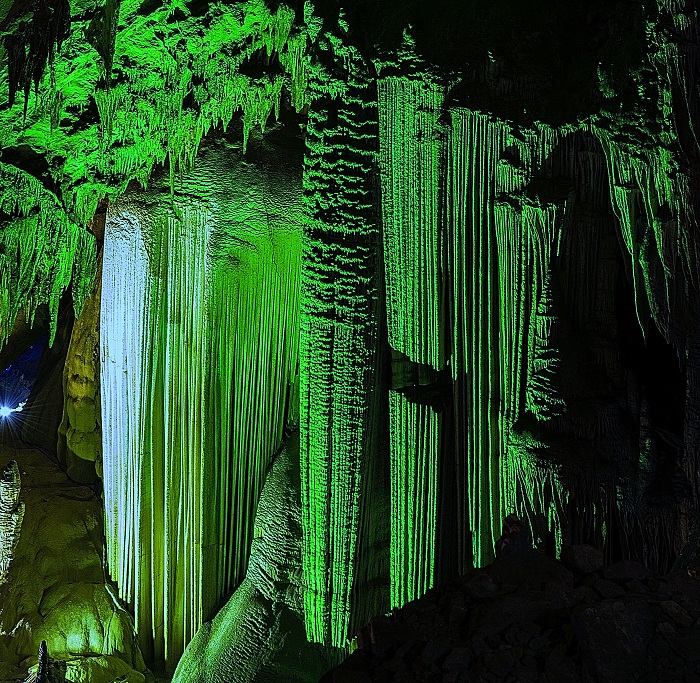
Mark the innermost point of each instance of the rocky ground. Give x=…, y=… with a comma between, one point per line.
x=539, y=619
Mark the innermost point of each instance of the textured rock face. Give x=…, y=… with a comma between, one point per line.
x=56, y=588
x=80, y=431
x=11, y=513
x=259, y=634
x=198, y=345
x=515, y=226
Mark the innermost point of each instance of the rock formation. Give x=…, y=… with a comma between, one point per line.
x=259, y=634
x=11, y=513
x=56, y=589
x=537, y=619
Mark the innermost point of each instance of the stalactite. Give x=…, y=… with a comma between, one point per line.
x=411, y=149
x=126, y=352
x=157, y=93
x=474, y=147
x=42, y=252
x=652, y=201
x=412, y=156
x=103, y=31
x=338, y=342
x=499, y=251
x=252, y=336
x=32, y=42
x=543, y=227
x=202, y=87
x=415, y=456
x=196, y=379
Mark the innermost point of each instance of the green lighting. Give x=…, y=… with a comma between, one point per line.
x=414, y=498
x=412, y=155
x=337, y=347
x=211, y=274
x=394, y=289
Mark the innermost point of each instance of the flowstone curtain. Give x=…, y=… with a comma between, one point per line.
x=199, y=350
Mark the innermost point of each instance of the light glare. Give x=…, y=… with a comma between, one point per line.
x=5, y=411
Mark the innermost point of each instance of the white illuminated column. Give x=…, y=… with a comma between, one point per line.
x=199, y=337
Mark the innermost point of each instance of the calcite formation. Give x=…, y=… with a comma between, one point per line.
x=80, y=432
x=57, y=590
x=11, y=513
x=198, y=351
x=259, y=634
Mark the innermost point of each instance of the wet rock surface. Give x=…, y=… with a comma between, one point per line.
x=538, y=619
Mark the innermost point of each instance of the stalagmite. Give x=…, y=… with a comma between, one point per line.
x=11, y=513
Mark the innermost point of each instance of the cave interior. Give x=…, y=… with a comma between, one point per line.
x=301, y=300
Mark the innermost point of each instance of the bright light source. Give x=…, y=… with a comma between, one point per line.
x=5, y=411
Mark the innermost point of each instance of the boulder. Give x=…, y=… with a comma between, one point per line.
x=582, y=558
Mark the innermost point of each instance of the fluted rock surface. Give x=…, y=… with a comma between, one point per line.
x=259, y=634
x=11, y=513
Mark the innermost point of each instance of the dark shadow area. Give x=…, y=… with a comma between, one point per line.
x=618, y=440
x=33, y=376
x=16, y=383
x=541, y=55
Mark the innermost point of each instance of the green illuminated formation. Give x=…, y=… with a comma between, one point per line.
x=259, y=634
x=476, y=143
x=80, y=432
x=461, y=265
x=497, y=250
x=170, y=84
x=56, y=590
x=415, y=452
x=527, y=236
x=337, y=349
x=147, y=118
x=212, y=273
x=42, y=251
x=412, y=158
